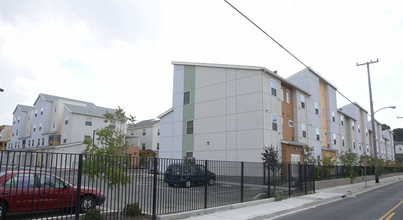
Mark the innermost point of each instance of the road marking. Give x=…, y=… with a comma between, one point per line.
x=390, y=216
x=383, y=217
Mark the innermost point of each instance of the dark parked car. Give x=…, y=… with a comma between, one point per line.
x=188, y=174
x=26, y=191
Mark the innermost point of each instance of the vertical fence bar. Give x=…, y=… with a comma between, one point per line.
x=78, y=201
x=264, y=174
x=305, y=178
x=313, y=177
x=155, y=190
x=242, y=179
x=289, y=180
x=268, y=181
x=205, y=184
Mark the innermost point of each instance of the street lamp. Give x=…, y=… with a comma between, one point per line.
x=374, y=139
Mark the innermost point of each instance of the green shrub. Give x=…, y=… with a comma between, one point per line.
x=132, y=209
x=279, y=196
x=93, y=214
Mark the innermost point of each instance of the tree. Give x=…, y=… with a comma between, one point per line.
x=348, y=161
x=398, y=134
x=106, y=160
x=385, y=127
x=307, y=153
x=271, y=162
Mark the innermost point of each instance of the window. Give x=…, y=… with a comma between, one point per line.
x=87, y=137
x=42, y=111
x=55, y=108
x=88, y=121
x=158, y=132
x=39, y=141
x=274, y=122
x=282, y=94
x=273, y=87
x=48, y=181
x=287, y=96
x=290, y=123
x=189, y=154
x=64, y=140
x=14, y=121
x=354, y=144
x=158, y=146
x=34, y=128
x=33, y=142
x=54, y=124
x=21, y=181
x=189, y=127
x=341, y=120
x=302, y=101
x=16, y=132
x=36, y=113
x=317, y=134
x=333, y=117
x=18, y=119
x=186, y=98
x=303, y=130
x=29, y=142
x=143, y=146
x=40, y=126
x=334, y=138
x=342, y=141
x=66, y=120
x=316, y=108
x=366, y=132
x=352, y=125
x=144, y=132
x=358, y=128
x=43, y=141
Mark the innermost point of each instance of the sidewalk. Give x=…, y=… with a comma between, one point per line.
x=267, y=208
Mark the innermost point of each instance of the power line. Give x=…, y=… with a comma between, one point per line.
x=266, y=33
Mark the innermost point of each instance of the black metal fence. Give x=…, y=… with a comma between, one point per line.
x=66, y=186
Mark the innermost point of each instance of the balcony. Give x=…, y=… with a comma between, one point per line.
x=54, y=140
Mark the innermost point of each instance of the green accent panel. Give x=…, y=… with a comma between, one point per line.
x=188, y=110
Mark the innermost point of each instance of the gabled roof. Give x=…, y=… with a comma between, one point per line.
x=53, y=98
x=317, y=74
x=91, y=109
x=24, y=108
x=264, y=69
x=145, y=123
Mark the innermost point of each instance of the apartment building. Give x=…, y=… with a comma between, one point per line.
x=144, y=134
x=348, y=138
x=399, y=151
x=322, y=110
x=361, y=128
x=5, y=136
x=232, y=113
x=54, y=123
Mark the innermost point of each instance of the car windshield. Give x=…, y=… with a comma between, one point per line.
x=2, y=174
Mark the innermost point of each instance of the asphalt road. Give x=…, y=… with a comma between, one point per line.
x=385, y=203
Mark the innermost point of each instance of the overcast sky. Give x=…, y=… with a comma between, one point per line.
x=119, y=53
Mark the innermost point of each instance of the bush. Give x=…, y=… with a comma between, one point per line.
x=93, y=214
x=132, y=209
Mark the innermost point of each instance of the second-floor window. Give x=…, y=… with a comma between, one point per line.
x=316, y=108
x=303, y=130
x=287, y=95
x=186, y=98
x=341, y=120
x=317, y=134
x=88, y=121
x=144, y=132
x=273, y=85
x=189, y=127
x=302, y=101
x=274, y=122
x=333, y=117
x=334, y=138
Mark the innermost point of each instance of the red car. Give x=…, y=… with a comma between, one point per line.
x=25, y=191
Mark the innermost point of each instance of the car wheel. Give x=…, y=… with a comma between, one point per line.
x=211, y=182
x=188, y=183
x=3, y=211
x=87, y=203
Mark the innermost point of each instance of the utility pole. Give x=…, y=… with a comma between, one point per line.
x=372, y=120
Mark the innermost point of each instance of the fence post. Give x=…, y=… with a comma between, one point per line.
x=155, y=190
x=264, y=174
x=268, y=180
x=313, y=177
x=205, y=184
x=80, y=172
x=289, y=180
x=305, y=178
x=242, y=178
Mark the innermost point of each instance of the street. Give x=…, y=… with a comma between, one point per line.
x=384, y=203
